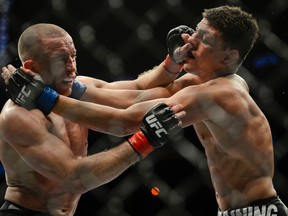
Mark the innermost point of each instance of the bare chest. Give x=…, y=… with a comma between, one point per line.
x=72, y=134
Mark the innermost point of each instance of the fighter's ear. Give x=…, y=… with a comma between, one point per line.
x=231, y=56
x=28, y=64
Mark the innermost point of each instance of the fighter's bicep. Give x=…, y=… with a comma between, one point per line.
x=193, y=103
x=50, y=157
x=31, y=139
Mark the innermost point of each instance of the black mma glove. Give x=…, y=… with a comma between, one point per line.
x=158, y=126
x=174, y=41
x=30, y=92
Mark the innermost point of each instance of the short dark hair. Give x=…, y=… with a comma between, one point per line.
x=239, y=29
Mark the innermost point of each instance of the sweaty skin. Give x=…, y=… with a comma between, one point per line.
x=233, y=130
x=45, y=157
x=43, y=191
x=240, y=161
x=236, y=137
x=53, y=169
x=227, y=122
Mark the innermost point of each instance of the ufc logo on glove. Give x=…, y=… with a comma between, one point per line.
x=154, y=123
x=22, y=95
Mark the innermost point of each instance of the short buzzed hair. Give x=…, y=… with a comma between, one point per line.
x=30, y=41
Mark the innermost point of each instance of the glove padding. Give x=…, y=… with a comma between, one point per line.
x=160, y=124
x=30, y=92
x=78, y=89
x=174, y=41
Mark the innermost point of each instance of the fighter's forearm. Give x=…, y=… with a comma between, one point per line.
x=162, y=75
x=97, y=117
x=157, y=76
x=120, y=99
x=101, y=168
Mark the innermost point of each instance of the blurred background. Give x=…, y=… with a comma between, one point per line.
x=119, y=39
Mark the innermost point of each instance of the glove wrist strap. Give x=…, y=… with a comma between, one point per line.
x=78, y=89
x=47, y=99
x=140, y=144
x=172, y=67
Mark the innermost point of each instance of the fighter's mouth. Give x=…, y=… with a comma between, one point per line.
x=68, y=80
x=190, y=55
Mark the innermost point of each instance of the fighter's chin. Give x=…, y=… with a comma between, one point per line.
x=65, y=92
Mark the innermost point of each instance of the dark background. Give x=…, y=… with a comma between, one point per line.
x=118, y=39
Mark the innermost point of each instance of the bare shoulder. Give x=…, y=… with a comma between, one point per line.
x=230, y=93
x=17, y=120
x=226, y=85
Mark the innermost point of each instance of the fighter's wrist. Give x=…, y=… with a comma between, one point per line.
x=47, y=100
x=172, y=67
x=140, y=144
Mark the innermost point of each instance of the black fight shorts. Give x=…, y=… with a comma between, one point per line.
x=267, y=207
x=11, y=209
